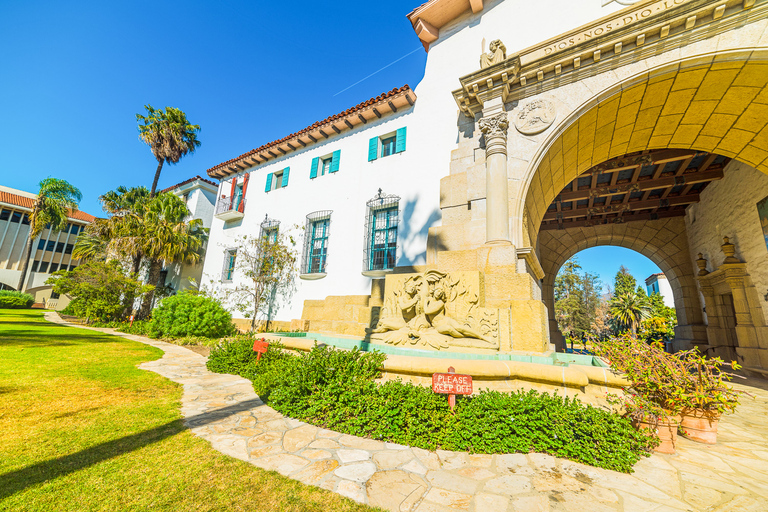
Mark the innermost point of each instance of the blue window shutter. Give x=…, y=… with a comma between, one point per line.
x=335, y=160
x=313, y=170
x=400, y=140
x=373, y=149
x=269, y=183
x=285, y=176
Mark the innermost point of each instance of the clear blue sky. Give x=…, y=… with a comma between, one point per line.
x=74, y=74
x=605, y=261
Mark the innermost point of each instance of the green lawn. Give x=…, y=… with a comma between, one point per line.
x=82, y=428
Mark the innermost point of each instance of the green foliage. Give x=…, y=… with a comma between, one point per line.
x=190, y=315
x=336, y=389
x=624, y=282
x=663, y=384
x=577, y=300
x=15, y=300
x=656, y=329
x=96, y=288
x=627, y=310
x=659, y=309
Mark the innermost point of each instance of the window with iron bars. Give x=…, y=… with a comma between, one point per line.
x=315, y=255
x=382, y=219
x=229, y=265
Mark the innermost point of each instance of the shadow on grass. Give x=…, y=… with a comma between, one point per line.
x=37, y=338
x=16, y=481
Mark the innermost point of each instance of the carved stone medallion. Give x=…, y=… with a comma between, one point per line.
x=535, y=117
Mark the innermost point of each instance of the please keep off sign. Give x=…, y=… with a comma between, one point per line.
x=452, y=383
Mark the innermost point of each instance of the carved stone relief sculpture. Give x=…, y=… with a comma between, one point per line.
x=435, y=310
x=497, y=53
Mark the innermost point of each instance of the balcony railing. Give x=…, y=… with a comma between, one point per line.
x=230, y=208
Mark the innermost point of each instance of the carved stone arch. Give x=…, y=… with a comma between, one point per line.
x=655, y=239
x=715, y=102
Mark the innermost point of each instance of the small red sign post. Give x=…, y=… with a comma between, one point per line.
x=452, y=384
x=131, y=321
x=261, y=347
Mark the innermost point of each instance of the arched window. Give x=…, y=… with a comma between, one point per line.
x=380, y=251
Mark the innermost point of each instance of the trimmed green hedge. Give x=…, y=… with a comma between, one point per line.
x=335, y=389
x=15, y=300
x=188, y=314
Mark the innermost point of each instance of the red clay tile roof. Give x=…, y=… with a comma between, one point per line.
x=28, y=202
x=219, y=171
x=190, y=180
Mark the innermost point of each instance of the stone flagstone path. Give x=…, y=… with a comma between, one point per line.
x=224, y=410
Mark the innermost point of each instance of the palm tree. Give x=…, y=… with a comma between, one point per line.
x=126, y=207
x=93, y=242
x=168, y=237
x=55, y=199
x=169, y=135
x=628, y=309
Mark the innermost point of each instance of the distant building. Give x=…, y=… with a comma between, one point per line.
x=52, y=251
x=657, y=283
x=200, y=195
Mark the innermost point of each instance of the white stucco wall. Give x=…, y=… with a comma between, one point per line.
x=413, y=175
x=729, y=208
x=345, y=192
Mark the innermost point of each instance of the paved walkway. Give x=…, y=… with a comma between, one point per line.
x=224, y=410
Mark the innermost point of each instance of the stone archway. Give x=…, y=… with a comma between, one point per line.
x=655, y=239
x=716, y=103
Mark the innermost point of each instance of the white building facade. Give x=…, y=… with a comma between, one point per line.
x=200, y=196
x=51, y=251
x=658, y=283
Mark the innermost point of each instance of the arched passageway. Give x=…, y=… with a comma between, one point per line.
x=703, y=111
x=655, y=239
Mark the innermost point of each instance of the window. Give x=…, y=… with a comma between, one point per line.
x=54, y=295
x=35, y=264
x=68, y=249
x=75, y=229
x=387, y=144
x=316, y=243
x=381, y=232
x=162, y=278
x=4, y=214
x=278, y=179
x=51, y=245
x=41, y=245
x=44, y=266
x=229, y=265
x=25, y=220
x=327, y=164
x=54, y=268
x=60, y=247
x=16, y=217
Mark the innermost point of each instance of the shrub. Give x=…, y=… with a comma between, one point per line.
x=97, y=289
x=189, y=314
x=336, y=389
x=15, y=300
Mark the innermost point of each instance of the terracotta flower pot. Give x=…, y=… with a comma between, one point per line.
x=700, y=425
x=666, y=431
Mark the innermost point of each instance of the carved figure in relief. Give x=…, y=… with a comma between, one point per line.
x=497, y=53
x=407, y=303
x=435, y=311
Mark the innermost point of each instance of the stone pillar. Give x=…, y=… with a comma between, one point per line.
x=494, y=127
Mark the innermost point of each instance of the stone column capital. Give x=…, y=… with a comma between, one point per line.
x=494, y=125
x=494, y=128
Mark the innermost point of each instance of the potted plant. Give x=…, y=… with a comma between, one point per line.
x=657, y=391
x=707, y=395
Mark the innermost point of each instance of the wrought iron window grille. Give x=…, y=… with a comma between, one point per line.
x=317, y=231
x=381, y=223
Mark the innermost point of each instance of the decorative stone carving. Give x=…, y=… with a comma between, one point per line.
x=435, y=310
x=497, y=53
x=535, y=117
x=701, y=262
x=494, y=126
x=729, y=250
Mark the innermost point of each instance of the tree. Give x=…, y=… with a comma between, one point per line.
x=624, y=282
x=627, y=310
x=577, y=298
x=126, y=207
x=165, y=235
x=169, y=135
x=55, y=199
x=267, y=266
x=96, y=288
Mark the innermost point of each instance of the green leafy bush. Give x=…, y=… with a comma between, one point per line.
x=15, y=300
x=97, y=289
x=189, y=314
x=336, y=389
